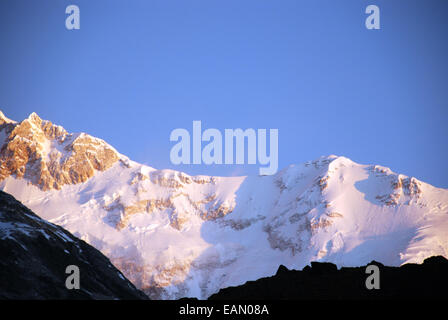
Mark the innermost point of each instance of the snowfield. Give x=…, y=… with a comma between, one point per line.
x=331, y=209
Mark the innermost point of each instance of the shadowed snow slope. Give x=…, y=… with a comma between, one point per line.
x=175, y=235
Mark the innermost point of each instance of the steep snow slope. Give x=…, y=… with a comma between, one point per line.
x=174, y=235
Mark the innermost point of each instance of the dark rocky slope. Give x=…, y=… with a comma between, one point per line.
x=34, y=255
x=324, y=281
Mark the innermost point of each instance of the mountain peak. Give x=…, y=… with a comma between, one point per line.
x=49, y=157
x=339, y=161
x=4, y=119
x=33, y=117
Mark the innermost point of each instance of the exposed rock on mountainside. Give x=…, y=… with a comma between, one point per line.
x=324, y=281
x=49, y=157
x=34, y=256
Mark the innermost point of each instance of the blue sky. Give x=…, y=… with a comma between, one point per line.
x=136, y=70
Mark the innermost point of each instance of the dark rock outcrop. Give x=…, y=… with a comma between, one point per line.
x=34, y=255
x=324, y=281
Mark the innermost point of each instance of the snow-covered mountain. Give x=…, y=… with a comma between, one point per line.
x=36, y=253
x=175, y=235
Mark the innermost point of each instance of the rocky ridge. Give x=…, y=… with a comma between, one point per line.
x=36, y=253
x=49, y=157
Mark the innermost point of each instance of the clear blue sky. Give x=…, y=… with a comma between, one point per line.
x=136, y=70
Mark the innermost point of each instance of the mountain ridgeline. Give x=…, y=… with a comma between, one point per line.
x=174, y=235
x=322, y=281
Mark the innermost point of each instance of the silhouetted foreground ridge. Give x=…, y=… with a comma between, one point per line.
x=34, y=256
x=324, y=281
